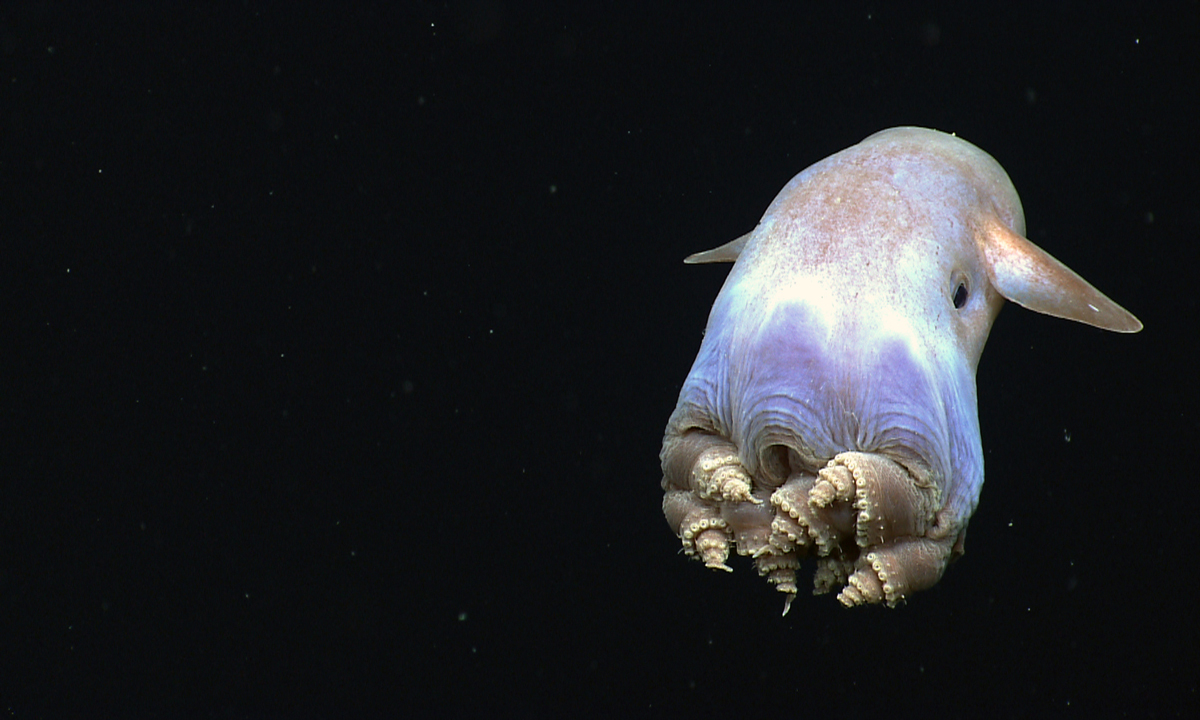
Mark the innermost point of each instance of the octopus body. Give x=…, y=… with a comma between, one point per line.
x=831, y=410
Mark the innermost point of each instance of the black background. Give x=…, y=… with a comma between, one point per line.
x=338, y=347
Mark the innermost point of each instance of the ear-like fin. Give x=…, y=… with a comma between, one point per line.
x=1029, y=276
x=726, y=253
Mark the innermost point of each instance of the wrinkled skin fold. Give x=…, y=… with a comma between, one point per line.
x=830, y=414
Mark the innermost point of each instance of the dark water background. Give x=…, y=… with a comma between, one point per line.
x=340, y=343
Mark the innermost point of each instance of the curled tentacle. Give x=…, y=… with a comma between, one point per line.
x=749, y=524
x=780, y=571
x=895, y=571
x=871, y=523
x=700, y=528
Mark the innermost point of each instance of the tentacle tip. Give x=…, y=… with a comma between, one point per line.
x=738, y=491
x=821, y=495
x=850, y=597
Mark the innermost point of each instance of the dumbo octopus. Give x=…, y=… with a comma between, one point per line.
x=831, y=410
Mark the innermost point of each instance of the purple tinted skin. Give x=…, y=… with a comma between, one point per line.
x=786, y=379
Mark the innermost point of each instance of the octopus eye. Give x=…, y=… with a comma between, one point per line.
x=960, y=296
